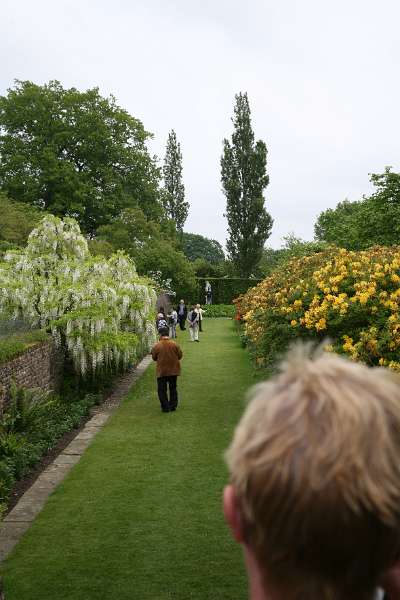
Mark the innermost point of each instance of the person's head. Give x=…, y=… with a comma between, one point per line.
x=315, y=478
x=197, y=305
x=181, y=302
x=160, y=315
x=163, y=331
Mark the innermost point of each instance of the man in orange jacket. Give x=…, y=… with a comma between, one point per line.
x=167, y=354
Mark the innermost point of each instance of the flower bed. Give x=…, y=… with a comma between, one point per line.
x=31, y=425
x=352, y=298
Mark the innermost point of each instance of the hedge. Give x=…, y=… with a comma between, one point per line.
x=224, y=289
x=212, y=311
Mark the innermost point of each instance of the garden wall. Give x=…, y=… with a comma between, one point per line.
x=39, y=366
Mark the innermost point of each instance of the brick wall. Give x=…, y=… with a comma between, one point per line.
x=39, y=366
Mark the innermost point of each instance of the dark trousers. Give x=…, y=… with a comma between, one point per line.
x=181, y=320
x=200, y=324
x=162, y=383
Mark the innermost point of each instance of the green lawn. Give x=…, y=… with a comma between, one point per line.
x=140, y=516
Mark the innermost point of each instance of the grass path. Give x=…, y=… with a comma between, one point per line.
x=139, y=518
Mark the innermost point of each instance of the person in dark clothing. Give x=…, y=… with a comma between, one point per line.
x=182, y=314
x=161, y=322
x=167, y=354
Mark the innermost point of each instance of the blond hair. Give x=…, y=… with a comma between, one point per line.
x=315, y=463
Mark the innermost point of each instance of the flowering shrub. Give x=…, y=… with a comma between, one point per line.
x=352, y=298
x=98, y=308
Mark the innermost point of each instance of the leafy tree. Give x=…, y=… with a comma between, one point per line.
x=244, y=177
x=98, y=308
x=197, y=246
x=293, y=247
x=375, y=220
x=339, y=226
x=204, y=268
x=16, y=221
x=75, y=153
x=174, y=191
x=151, y=249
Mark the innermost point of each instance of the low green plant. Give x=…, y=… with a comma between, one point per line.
x=15, y=344
x=219, y=310
x=31, y=425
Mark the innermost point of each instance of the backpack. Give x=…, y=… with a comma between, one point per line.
x=161, y=324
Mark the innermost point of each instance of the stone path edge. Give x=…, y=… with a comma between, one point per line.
x=21, y=517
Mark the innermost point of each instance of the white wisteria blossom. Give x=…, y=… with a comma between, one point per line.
x=98, y=308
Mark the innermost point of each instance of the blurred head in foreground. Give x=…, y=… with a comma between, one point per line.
x=314, y=494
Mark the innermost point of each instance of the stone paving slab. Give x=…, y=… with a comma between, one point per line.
x=18, y=521
x=98, y=420
x=87, y=434
x=77, y=446
x=66, y=459
x=10, y=534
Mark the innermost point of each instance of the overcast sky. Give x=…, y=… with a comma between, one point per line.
x=322, y=79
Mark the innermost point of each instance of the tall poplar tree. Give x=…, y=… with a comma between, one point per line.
x=244, y=177
x=174, y=198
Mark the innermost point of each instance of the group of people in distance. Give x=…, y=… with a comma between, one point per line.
x=182, y=316
x=168, y=354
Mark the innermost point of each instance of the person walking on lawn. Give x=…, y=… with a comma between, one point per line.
x=172, y=322
x=182, y=314
x=193, y=321
x=200, y=312
x=167, y=354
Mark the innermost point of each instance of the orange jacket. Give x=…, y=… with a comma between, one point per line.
x=167, y=354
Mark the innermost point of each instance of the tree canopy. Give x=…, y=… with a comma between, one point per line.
x=75, y=153
x=175, y=205
x=244, y=177
x=374, y=220
x=17, y=221
x=197, y=246
x=153, y=247
x=293, y=247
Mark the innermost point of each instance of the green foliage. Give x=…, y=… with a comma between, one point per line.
x=153, y=248
x=244, y=177
x=197, y=246
x=293, y=247
x=203, y=268
x=375, y=220
x=160, y=255
x=16, y=221
x=75, y=153
x=30, y=425
x=101, y=248
x=15, y=344
x=174, y=191
x=224, y=289
x=213, y=311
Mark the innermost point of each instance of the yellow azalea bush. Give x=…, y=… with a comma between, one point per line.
x=352, y=298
